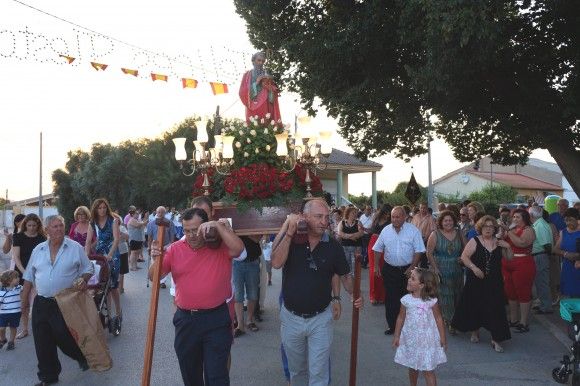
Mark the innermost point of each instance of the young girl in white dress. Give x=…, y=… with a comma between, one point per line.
x=420, y=332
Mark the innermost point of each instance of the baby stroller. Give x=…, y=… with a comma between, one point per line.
x=570, y=364
x=98, y=287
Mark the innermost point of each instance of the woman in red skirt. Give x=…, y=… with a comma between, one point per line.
x=519, y=270
x=381, y=219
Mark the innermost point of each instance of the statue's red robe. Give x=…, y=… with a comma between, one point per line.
x=266, y=101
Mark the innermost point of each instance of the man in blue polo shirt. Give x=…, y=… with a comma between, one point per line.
x=557, y=218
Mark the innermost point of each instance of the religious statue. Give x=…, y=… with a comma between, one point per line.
x=258, y=91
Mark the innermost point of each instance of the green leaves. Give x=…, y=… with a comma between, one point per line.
x=142, y=173
x=501, y=77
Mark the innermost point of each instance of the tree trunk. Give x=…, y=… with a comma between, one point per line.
x=568, y=159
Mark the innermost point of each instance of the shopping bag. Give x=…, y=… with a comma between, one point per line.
x=82, y=319
x=94, y=280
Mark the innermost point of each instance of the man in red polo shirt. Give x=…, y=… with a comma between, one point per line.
x=202, y=276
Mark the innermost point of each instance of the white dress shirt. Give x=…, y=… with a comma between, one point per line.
x=366, y=221
x=399, y=248
x=70, y=263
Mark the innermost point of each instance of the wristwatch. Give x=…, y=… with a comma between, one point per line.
x=336, y=298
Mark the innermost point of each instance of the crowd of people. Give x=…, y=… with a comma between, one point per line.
x=436, y=273
x=525, y=258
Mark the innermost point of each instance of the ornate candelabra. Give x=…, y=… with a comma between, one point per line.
x=220, y=157
x=310, y=152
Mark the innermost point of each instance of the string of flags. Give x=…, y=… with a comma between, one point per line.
x=216, y=87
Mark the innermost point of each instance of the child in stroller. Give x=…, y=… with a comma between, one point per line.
x=570, y=364
x=98, y=287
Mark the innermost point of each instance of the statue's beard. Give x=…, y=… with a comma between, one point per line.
x=259, y=69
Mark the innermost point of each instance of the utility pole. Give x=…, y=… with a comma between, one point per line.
x=5, y=203
x=430, y=186
x=491, y=177
x=40, y=204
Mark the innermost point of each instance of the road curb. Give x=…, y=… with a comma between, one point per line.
x=556, y=331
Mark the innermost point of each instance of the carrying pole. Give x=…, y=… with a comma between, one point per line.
x=355, y=316
x=153, y=305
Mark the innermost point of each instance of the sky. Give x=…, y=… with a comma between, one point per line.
x=75, y=106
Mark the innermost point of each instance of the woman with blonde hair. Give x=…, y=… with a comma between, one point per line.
x=79, y=229
x=350, y=232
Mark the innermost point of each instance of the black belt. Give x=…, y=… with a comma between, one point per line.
x=307, y=315
x=399, y=267
x=47, y=298
x=201, y=311
x=539, y=253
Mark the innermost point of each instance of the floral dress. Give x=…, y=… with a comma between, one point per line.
x=420, y=344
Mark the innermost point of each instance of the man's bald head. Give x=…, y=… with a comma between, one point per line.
x=398, y=216
x=160, y=211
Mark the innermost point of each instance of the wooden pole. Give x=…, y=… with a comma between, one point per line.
x=355, y=315
x=150, y=342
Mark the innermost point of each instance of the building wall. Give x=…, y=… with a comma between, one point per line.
x=539, y=173
x=455, y=184
x=329, y=185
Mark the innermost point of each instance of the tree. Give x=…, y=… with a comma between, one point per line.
x=396, y=197
x=142, y=173
x=496, y=194
x=491, y=78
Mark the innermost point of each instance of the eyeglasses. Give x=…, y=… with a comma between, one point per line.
x=463, y=214
x=311, y=260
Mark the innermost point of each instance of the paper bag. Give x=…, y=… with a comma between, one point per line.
x=82, y=319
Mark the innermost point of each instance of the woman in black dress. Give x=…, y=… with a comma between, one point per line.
x=482, y=302
x=31, y=234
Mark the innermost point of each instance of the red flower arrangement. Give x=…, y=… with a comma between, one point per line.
x=257, y=181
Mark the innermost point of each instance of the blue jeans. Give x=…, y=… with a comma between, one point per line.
x=307, y=344
x=349, y=252
x=202, y=343
x=246, y=279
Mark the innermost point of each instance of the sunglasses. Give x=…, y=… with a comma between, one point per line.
x=311, y=260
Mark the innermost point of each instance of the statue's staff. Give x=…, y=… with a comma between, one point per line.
x=153, y=305
x=355, y=315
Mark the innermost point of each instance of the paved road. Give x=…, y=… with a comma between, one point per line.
x=528, y=359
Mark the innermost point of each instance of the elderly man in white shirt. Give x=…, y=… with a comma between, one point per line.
x=401, y=245
x=54, y=265
x=366, y=220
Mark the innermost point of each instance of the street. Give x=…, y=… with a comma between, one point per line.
x=528, y=358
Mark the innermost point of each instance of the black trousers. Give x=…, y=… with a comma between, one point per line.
x=50, y=331
x=365, y=245
x=202, y=343
x=395, y=283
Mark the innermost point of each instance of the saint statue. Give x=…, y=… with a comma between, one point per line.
x=258, y=92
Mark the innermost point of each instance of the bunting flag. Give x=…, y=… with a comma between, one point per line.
x=219, y=88
x=130, y=72
x=69, y=59
x=158, y=77
x=188, y=83
x=99, y=66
